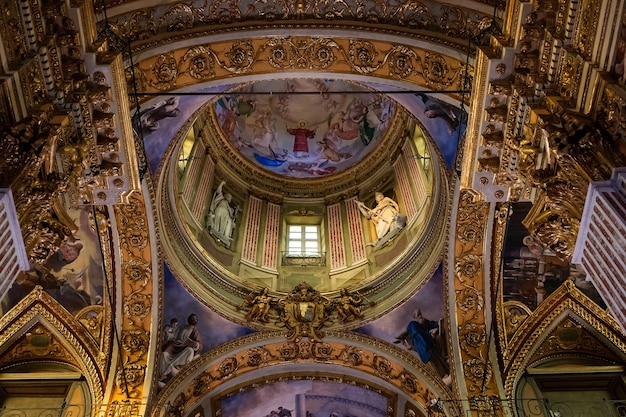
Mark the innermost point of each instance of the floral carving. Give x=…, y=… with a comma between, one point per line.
x=165, y=71
x=257, y=356
x=138, y=305
x=227, y=367
x=134, y=237
x=352, y=356
x=362, y=55
x=468, y=268
x=200, y=383
x=469, y=299
x=477, y=370
x=472, y=336
x=201, y=64
x=382, y=366
x=322, y=351
x=409, y=382
x=129, y=378
x=322, y=55
x=240, y=56
x=401, y=61
x=436, y=69
x=288, y=351
x=282, y=53
x=135, y=341
x=137, y=270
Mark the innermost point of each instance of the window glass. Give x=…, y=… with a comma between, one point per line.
x=303, y=240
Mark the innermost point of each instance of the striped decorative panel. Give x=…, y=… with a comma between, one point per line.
x=193, y=167
x=270, y=251
x=405, y=189
x=355, y=230
x=335, y=233
x=204, y=186
x=251, y=234
x=416, y=173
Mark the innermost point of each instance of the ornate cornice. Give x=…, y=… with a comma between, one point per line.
x=428, y=19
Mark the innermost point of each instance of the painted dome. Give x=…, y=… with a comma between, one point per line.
x=303, y=128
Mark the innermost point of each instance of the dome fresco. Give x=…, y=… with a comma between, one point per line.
x=303, y=128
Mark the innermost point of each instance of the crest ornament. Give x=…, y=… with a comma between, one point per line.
x=304, y=312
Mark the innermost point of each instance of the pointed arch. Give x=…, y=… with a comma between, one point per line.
x=66, y=340
x=530, y=343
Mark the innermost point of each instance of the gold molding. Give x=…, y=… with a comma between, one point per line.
x=567, y=300
x=39, y=307
x=220, y=60
x=385, y=362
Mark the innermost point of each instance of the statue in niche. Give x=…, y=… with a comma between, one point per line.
x=222, y=216
x=386, y=218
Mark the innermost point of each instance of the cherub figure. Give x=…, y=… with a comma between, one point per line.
x=348, y=306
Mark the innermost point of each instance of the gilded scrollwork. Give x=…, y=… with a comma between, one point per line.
x=451, y=21
x=198, y=62
x=137, y=298
x=221, y=59
x=304, y=312
x=362, y=55
x=213, y=373
x=402, y=62
x=469, y=288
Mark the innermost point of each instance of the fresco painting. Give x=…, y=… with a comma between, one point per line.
x=305, y=398
x=444, y=122
x=190, y=328
x=530, y=272
x=159, y=121
x=342, y=128
x=73, y=275
x=303, y=135
x=417, y=325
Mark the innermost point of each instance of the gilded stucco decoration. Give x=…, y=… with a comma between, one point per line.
x=222, y=59
x=304, y=312
x=292, y=310
x=469, y=289
x=566, y=323
x=137, y=301
x=452, y=21
x=38, y=328
x=209, y=372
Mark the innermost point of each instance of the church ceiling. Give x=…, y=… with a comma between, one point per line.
x=136, y=284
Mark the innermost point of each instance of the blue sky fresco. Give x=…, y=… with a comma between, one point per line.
x=213, y=328
x=429, y=299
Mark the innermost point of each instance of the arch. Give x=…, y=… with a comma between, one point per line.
x=348, y=354
x=537, y=342
x=61, y=342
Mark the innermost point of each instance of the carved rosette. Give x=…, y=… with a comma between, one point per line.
x=222, y=59
x=211, y=372
x=137, y=301
x=469, y=289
